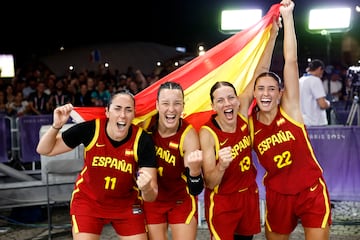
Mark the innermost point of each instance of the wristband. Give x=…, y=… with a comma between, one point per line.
x=196, y=179
x=56, y=127
x=195, y=184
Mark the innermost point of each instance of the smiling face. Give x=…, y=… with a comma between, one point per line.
x=120, y=113
x=226, y=104
x=170, y=105
x=267, y=93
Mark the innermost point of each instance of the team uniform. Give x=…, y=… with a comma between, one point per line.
x=174, y=204
x=106, y=190
x=284, y=150
x=233, y=206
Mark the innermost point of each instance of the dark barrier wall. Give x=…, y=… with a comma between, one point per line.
x=4, y=133
x=337, y=149
x=338, y=152
x=29, y=130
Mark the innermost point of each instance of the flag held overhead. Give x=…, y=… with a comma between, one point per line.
x=233, y=60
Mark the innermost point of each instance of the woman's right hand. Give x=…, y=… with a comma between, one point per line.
x=62, y=114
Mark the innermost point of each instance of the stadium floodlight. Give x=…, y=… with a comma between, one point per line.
x=7, y=66
x=326, y=21
x=233, y=21
x=329, y=20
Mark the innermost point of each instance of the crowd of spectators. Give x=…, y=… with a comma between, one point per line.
x=39, y=91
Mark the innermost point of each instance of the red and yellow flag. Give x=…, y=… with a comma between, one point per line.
x=234, y=60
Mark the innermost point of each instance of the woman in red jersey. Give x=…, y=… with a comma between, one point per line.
x=119, y=169
x=179, y=168
x=294, y=182
x=231, y=195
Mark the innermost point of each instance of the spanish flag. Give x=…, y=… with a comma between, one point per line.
x=233, y=60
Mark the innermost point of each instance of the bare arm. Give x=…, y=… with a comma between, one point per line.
x=323, y=103
x=291, y=99
x=213, y=170
x=193, y=159
x=246, y=96
x=51, y=143
x=192, y=154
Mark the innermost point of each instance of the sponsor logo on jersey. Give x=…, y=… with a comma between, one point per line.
x=222, y=143
x=313, y=188
x=258, y=131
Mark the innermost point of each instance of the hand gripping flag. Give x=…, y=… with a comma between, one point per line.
x=233, y=60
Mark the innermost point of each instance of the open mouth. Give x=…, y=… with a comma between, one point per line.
x=266, y=102
x=170, y=118
x=229, y=113
x=121, y=125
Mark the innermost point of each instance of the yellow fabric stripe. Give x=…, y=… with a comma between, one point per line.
x=182, y=139
x=138, y=134
x=216, y=140
x=96, y=135
x=238, y=70
x=326, y=197
x=211, y=215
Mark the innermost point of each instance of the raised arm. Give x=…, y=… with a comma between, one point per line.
x=246, y=96
x=290, y=99
x=51, y=143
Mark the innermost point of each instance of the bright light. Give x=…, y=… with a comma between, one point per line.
x=181, y=49
x=233, y=21
x=201, y=50
x=330, y=19
x=200, y=53
x=7, y=66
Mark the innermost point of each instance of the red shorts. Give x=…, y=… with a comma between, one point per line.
x=171, y=212
x=311, y=207
x=235, y=213
x=125, y=226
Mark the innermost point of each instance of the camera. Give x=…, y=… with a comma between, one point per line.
x=353, y=78
x=353, y=74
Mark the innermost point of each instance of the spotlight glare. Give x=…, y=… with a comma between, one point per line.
x=330, y=19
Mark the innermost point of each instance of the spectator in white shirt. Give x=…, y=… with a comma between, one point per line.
x=312, y=95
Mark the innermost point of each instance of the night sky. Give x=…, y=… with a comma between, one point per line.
x=30, y=29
